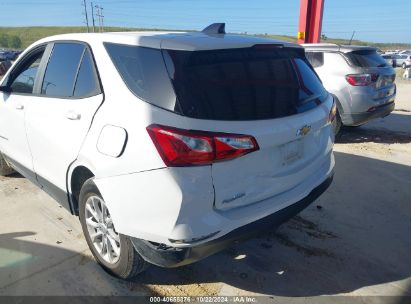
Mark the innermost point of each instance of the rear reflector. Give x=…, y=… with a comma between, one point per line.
x=179, y=147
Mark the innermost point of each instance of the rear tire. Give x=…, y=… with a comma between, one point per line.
x=404, y=66
x=124, y=265
x=5, y=169
x=337, y=124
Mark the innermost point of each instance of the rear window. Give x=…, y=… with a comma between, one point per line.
x=366, y=59
x=230, y=84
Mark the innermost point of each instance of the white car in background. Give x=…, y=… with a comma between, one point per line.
x=169, y=146
x=403, y=60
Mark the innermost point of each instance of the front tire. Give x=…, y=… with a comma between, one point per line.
x=113, y=251
x=5, y=169
x=404, y=66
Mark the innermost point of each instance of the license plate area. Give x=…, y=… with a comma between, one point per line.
x=292, y=152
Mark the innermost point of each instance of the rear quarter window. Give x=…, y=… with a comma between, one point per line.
x=144, y=72
x=315, y=58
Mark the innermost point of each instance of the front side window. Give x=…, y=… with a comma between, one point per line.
x=24, y=81
x=61, y=71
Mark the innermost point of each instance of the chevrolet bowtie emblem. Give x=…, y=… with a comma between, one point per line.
x=304, y=130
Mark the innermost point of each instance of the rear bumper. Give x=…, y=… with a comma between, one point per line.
x=167, y=256
x=356, y=119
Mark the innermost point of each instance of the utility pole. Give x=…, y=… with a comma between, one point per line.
x=85, y=14
x=92, y=16
x=100, y=17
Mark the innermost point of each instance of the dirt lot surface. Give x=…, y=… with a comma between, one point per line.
x=354, y=240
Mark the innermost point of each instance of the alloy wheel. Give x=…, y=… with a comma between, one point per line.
x=101, y=230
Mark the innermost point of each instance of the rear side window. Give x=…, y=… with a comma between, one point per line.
x=315, y=58
x=62, y=69
x=366, y=59
x=230, y=84
x=86, y=83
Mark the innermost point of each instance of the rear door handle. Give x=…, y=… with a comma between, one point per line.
x=19, y=107
x=73, y=116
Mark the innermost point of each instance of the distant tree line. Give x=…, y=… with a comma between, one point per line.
x=10, y=41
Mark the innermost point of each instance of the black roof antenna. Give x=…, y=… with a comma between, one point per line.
x=215, y=28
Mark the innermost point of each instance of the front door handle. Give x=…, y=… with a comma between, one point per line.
x=19, y=107
x=73, y=116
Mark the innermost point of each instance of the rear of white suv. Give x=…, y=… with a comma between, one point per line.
x=202, y=139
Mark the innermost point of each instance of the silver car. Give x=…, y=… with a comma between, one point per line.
x=390, y=59
x=360, y=80
x=403, y=60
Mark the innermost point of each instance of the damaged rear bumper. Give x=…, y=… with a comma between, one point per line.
x=167, y=256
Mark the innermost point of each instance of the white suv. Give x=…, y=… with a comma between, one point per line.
x=169, y=146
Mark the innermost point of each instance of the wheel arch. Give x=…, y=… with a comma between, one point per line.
x=79, y=175
x=337, y=102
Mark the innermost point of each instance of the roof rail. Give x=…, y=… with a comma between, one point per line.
x=215, y=28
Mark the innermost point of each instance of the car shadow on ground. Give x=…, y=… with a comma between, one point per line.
x=356, y=235
x=364, y=134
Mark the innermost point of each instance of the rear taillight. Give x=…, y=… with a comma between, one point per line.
x=179, y=147
x=333, y=113
x=361, y=79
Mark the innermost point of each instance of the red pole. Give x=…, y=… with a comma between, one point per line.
x=317, y=23
x=310, y=23
x=304, y=20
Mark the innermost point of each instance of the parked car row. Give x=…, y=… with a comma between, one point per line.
x=401, y=59
x=9, y=55
x=172, y=146
x=390, y=52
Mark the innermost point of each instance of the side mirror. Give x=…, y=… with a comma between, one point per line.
x=4, y=67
